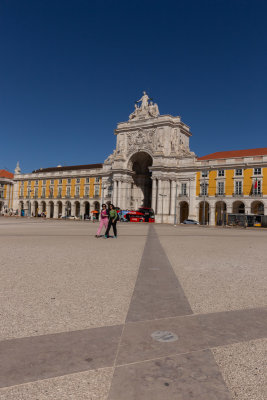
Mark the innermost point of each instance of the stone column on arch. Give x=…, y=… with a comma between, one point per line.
x=55, y=210
x=154, y=194
x=166, y=197
x=119, y=194
x=114, y=192
x=48, y=209
x=72, y=209
x=174, y=193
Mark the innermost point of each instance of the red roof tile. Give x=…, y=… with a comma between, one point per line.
x=235, y=154
x=6, y=174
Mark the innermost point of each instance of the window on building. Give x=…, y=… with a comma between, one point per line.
x=204, y=174
x=238, y=187
x=238, y=172
x=52, y=181
x=44, y=182
x=36, y=192
x=97, y=180
x=183, y=189
x=110, y=188
x=96, y=190
x=43, y=192
x=221, y=188
x=69, y=181
x=36, y=182
x=204, y=189
x=68, y=191
x=78, y=180
x=77, y=190
x=256, y=189
x=87, y=180
x=59, y=191
x=221, y=172
x=257, y=171
x=60, y=181
x=86, y=190
x=28, y=192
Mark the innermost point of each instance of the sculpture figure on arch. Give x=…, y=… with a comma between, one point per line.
x=144, y=101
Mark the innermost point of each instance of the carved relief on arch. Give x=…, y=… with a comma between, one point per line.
x=141, y=139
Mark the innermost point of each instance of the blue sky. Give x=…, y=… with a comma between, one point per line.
x=71, y=70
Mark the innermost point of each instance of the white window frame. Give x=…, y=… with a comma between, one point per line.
x=238, y=169
x=238, y=187
x=257, y=171
x=221, y=172
x=184, y=189
x=221, y=189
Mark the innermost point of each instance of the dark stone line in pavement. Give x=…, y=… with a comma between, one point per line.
x=157, y=293
x=193, y=376
x=41, y=357
x=195, y=332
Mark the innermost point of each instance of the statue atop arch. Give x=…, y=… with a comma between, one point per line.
x=147, y=109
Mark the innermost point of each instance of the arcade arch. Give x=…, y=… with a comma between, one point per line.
x=139, y=163
x=257, y=207
x=202, y=220
x=238, y=207
x=220, y=212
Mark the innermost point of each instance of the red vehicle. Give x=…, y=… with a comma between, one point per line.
x=142, y=215
x=148, y=213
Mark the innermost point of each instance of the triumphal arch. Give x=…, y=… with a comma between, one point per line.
x=151, y=160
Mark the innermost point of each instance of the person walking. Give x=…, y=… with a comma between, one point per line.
x=103, y=220
x=112, y=221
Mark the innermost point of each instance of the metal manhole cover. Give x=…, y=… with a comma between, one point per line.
x=164, y=336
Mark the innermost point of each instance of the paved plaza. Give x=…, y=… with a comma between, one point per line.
x=161, y=313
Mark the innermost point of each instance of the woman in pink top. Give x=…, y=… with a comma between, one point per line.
x=103, y=220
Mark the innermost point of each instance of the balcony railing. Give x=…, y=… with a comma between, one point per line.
x=219, y=194
x=67, y=196
x=256, y=194
x=183, y=194
x=86, y=196
x=202, y=195
x=21, y=197
x=77, y=196
x=238, y=194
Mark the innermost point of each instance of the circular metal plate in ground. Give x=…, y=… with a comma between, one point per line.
x=164, y=336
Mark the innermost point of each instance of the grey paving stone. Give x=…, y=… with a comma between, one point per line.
x=39, y=357
x=157, y=293
x=194, y=376
x=194, y=332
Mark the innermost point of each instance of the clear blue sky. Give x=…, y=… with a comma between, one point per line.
x=71, y=70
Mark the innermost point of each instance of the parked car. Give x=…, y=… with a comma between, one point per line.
x=190, y=222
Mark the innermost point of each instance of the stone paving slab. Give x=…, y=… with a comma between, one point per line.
x=88, y=385
x=194, y=333
x=157, y=292
x=40, y=357
x=193, y=376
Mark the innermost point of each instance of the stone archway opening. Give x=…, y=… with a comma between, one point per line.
x=257, y=207
x=35, y=208
x=203, y=217
x=51, y=209
x=77, y=209
x=60, y=209
x=220, y=213
x=86, y=206
x=1, y=206
x=238, y=207
x=184, y=211
x=142, y=182
x=67, y=208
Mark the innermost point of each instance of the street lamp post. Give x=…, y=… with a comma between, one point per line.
x=162, y=195
x=204, y=199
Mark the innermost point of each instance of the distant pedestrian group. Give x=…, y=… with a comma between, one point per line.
x=108, y=219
